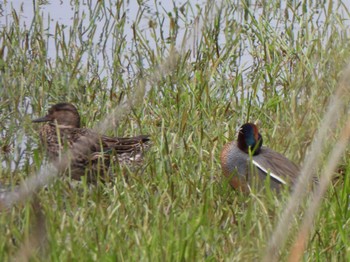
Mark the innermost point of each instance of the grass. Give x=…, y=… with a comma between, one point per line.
x=188, y=78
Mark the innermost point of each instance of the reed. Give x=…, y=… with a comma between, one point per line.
x=189, y=77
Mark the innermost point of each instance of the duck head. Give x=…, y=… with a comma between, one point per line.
x=249, y=137
x=64, y=114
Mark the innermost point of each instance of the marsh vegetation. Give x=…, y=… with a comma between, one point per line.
x=189, y=76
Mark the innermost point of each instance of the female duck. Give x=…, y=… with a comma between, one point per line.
x=89, y=152
x=246, y=162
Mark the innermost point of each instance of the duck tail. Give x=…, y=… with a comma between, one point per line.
x=143, y=138
x=134, y=140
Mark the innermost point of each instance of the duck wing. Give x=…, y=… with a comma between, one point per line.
x=101, y=143
x=126, y=144
x=280, y=168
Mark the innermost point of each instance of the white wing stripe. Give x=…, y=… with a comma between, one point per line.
x=271, y=174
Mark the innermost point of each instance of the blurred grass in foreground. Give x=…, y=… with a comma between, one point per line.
x=190, y=87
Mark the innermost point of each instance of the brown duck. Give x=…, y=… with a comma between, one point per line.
x=89, y=153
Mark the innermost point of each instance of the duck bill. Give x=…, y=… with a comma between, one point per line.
x=41, y=119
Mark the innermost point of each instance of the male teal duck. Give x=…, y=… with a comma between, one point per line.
x=246, y=162
x=90, y=153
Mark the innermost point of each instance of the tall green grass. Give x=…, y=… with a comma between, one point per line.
x=189, y=78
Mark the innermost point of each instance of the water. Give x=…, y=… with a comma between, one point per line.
x=62, y=14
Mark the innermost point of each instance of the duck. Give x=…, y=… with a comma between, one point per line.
x=246, y=163
x=88, y=152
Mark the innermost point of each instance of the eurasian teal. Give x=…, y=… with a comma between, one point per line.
x=90, y=153
x=245, y=162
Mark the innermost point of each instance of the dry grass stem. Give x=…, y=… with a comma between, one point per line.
x=299, y=245
x=312, y=161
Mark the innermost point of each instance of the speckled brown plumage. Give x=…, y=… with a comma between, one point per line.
x=89, y=153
